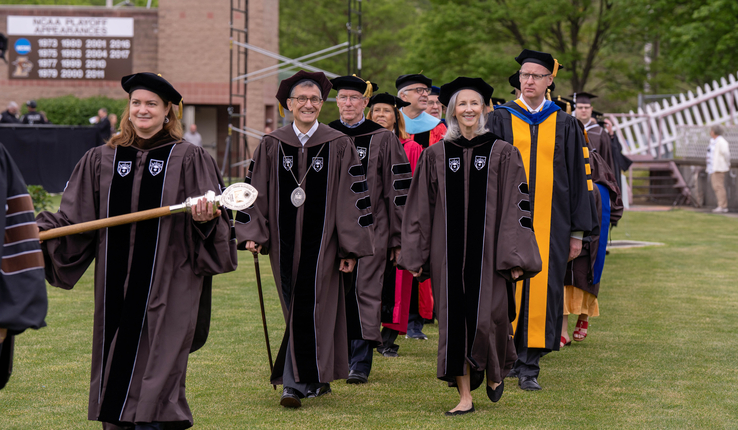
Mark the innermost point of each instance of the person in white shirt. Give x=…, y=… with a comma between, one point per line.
x=193, y=136
x=718, y=164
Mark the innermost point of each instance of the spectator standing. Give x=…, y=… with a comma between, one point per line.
x=33, y=117
x=103, y=124
x=718, y=163
x=10, y=115
x=193, y=136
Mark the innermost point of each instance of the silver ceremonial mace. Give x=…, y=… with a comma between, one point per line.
x=238, y=196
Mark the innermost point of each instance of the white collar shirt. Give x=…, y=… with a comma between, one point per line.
x=304, y=137
x=536, y=110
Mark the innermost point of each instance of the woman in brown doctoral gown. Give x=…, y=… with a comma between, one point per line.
x=468, y=216
x=152, y=278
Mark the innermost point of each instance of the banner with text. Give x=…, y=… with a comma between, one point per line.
x=72, y=48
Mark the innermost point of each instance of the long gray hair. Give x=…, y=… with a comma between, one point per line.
x=453, y=131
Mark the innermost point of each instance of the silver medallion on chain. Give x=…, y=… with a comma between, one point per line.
x=297, y=197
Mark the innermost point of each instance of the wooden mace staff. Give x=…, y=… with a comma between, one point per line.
x=238, y=196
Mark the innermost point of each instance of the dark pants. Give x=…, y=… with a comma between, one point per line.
x=360, y=356
x=288, y=377
x=528, y=360
x=389, y=336
x=414, y=321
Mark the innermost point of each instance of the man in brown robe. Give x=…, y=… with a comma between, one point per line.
x=388, y=174
x=599, y=140
x=152, y=278
x=313, y=219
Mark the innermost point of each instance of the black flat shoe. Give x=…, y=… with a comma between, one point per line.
x=290, y=398
x=529, y=383
x=453, y=414
x=495, y=394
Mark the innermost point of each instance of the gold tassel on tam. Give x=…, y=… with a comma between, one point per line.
x=369, y=89
x=181, y=109
x=281, y=110
x=556, y=68
x=548, y=94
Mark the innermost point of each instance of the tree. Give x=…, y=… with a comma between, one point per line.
x=306, y=27
x=481, y=38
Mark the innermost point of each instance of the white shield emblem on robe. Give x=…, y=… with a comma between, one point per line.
x=156, y=166
x=317, y=163
x=361, y=151
x=124, y=168
x=454, y=164
x=287, y=162
x=479, y=162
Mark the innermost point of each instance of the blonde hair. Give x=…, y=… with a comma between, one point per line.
x=399, y=127
x=453, y=131
x=127, y=134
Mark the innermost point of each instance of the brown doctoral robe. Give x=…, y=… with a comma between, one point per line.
x=600, y=141
x=388, y=174
x=146, y=315
x=467, y=220
x=306, y=243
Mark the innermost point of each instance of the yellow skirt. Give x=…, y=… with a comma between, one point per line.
x=580, y=302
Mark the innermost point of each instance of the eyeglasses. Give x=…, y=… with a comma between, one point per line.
x=315, y=100
x=524, y=76
x=353, y=99
x=420, y=90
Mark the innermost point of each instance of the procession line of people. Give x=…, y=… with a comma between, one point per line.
x=373, y=224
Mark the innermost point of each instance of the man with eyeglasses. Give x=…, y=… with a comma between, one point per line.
x=562, y=205
x=423, y=128
x=426, y=130
x=435, y=108
x=314, y=220
x=388, y=175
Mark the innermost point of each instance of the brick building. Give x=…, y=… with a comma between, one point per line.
x=188, y=43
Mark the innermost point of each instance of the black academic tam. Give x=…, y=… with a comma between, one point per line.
x=463, y=83
x=151, y=82
x=388, y=99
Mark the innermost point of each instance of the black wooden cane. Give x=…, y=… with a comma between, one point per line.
x=263, y=314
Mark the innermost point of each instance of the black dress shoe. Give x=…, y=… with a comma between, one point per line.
x=453, y=414
x=318, y=389
x=357, y=378
x=495, y=394
x=513, y=373
x=290, y=398
x=529, y=383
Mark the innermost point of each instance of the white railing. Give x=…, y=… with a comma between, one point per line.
x=654, y=129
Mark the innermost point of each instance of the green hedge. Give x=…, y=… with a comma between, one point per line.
x=70, y=110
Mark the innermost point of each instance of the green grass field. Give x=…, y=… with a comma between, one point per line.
x=662, y=355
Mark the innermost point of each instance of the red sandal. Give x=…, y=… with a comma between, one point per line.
x=581, y=331
x=563, y=342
